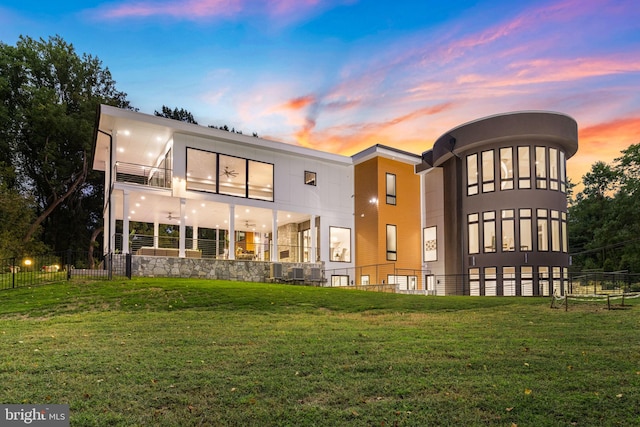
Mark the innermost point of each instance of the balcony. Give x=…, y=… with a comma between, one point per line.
x=146, y=175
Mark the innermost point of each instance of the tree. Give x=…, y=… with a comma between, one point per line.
x=16, y=216
x=49, y=99
x=604, y=226
x=176, y=114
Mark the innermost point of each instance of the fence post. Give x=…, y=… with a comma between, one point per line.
x=128, y=265
x=69, y=264
x=608, y=302
x=13, y=273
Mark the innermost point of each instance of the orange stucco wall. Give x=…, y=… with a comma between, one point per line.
x=371, y=218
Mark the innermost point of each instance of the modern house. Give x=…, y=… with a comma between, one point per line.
x=482, y=213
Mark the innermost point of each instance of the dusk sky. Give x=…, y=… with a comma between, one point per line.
x=342, y=75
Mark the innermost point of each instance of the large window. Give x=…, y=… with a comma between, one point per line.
x=474, y=282
x=260, y=184
x=488, y=176
x=392, y=243
x=541, y=167
x=555, y=231
x=526, y=281
x=391, y=189
x=553, y=169
x=490, y=281
x=229, y=175
x=472, y=174
x=565, y=238
x=430, y=244
x=474, y=233
x=526, y=239
x=509, y=281
x=201, y=170
x=563, y=172
x=506, y=168
x=233, y=176
x=340, y=244
x=508, y=231
x=543, y=229
x=489, y=231
x=524, y=167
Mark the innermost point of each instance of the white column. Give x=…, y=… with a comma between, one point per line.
x=183, y=228
x=274, y=236
x=125, y=222
x=156, y=233
x=232, y=232
x=194, y=240
x=314, y=243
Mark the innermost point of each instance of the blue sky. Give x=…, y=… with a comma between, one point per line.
x=342, y=75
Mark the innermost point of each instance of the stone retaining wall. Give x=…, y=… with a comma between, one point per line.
x=239, y=270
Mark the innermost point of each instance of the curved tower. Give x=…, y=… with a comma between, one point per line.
x=496, y=205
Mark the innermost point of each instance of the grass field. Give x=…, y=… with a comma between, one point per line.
x=166, y=352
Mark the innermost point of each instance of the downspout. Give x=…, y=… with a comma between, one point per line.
x=109, y=249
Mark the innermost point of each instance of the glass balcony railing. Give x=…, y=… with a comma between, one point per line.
x=143, y=174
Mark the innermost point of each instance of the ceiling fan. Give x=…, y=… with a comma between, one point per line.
x=249, y=224
x=229, y=173
x=172, y=217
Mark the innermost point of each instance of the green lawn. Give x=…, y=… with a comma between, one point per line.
x=166, y=352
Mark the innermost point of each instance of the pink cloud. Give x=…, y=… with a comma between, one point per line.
x=283, y=10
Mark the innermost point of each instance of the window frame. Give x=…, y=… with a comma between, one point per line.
x=391, y=188
x=391, y=238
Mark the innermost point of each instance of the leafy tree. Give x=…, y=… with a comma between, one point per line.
x=176, y=114
x=16, y=216
x=604, y=225
x=49, y=98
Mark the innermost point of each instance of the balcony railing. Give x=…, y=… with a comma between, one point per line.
x=143, y=174
x=140, y=244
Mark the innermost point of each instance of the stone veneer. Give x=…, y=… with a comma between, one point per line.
x=203, y=268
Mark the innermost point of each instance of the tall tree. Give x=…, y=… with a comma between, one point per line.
x=604, y=226
x=176, y=114
x=50, y=95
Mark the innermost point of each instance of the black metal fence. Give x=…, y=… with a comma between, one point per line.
x=62, y=266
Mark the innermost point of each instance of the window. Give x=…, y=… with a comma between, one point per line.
x=260, y=184
x=506, y=168
x=553, y=168
x=557, y=280
x=526, y=238
x=430, y=244
x=392, y=249
x=526, y=281
x=524, y=167
x=474, y=233
x=555, y=231
x=543, y=230
x=541, y=167
x=543, y=281
x=233, y=175
x=340, y=244
x=490, y=281
x=509, y=281
x=310, y=178
x=508, y=231
x=391, y=189
x=472, y=174
x=474, y=282
x=565, y=239
x=229, y=175
x=563, y=172
x=339, y=280
x=201, y=170
x=489, y=231
x=365, y=280
x=488, y=177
